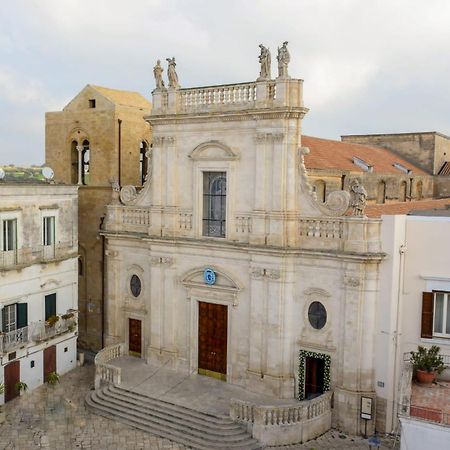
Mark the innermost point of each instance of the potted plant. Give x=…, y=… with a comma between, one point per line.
x=51, y=321
x=2, y=411
x=53, y=378
x=427, y=362
x=21, y=387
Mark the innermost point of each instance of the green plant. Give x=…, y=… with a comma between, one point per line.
x=2, y=388
x=428, y=360
x=67, y=316
x=21, y=386
x=53, y=378
x=71, y=327
x=51, y=321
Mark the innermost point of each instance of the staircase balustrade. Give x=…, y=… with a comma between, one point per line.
x=104, y=372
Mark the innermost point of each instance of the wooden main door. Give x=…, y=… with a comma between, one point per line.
x=314, y=377
x=49, y=361
x=12, y=376
x=212, y=340
x=134, y=337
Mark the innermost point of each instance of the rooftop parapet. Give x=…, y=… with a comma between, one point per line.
x=279, y=93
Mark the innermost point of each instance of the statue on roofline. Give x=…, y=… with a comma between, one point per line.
x=358, y=197
x=172, y=73
x=283, y=60
x=265, y=61
x=157, y=72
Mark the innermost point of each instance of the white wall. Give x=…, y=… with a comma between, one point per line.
x=66, y=361
x=420, y=435
x=32, y=376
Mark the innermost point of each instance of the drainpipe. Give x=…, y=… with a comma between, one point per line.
x=402, y=250
x=119, y=121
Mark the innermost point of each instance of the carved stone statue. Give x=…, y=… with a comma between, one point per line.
x=265, y=61
x=157, y=72
x=283, y=60
x=115, y=191
x=172, y=73
x=359, y=197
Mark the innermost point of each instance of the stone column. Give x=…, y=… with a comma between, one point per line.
x=114, y=326
x=80, y=164
x=157, y=185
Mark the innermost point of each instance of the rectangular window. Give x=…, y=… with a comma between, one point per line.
x=9, y=316
x=441, y=317
x=214, y=203
x=9, y=235
x=48, y=228
x=92, y=103
x=50, y=306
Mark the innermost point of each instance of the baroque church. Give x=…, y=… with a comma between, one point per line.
x=226, y=264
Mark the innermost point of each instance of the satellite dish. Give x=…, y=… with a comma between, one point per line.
x=2, y=174
x=48, y=173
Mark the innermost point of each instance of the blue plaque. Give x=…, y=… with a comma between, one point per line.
x=209, y=276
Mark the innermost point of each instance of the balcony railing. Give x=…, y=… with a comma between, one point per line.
x=37, y=332
x=32, y=255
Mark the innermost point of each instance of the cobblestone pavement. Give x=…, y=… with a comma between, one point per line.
x=56, y=418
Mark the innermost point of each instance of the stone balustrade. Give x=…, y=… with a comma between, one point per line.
x=104, y=372
x=300, y=422
x=128, y=219
x=229, y=97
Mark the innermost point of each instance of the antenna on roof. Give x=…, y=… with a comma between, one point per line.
x=48, y=173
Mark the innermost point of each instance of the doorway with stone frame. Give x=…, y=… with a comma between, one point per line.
x=313, y=374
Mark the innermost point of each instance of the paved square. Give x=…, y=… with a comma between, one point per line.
x=56, y=418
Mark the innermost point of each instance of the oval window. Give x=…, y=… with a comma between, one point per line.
x=135, y=285
x=317, y=315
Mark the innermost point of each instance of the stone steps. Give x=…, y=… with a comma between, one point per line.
x=176, y=423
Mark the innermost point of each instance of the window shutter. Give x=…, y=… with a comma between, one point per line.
x=22, y=315
x=427, y=315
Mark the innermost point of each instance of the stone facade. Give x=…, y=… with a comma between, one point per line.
x=38, y=266
x=428, y=150
x=281, y=250
x=112, y=124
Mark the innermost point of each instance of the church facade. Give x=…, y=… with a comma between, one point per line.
x=226, y=264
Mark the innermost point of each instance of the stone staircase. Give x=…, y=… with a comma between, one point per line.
x=179, y=424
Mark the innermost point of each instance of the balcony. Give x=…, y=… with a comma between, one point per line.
x=37, y=332
x=26, y=256
x=427, y=402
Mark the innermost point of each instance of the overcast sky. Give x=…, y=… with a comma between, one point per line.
x=370, y=66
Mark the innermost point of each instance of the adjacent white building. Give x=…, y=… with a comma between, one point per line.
x=413, y=304
x=38, y=282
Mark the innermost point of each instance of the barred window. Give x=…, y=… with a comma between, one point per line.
x=214, y=203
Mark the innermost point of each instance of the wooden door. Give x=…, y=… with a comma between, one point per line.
x=49, y=361
x=212, y=340
x=314, y=377
x=12, y=376
x=134, y=337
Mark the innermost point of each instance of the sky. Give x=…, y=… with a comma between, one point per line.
x=369, y=66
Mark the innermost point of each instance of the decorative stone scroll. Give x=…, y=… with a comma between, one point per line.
x=128, y=195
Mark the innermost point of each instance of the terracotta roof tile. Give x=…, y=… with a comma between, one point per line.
x=328, y=154
x=375, y=210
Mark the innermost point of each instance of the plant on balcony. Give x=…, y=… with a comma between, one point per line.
x=52, y=378
x=71, y=327
x=51, y=321
x=68, y=316
x=21, y=387
x=2, y=388
x=427, y=362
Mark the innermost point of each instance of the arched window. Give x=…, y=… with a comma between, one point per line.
x=85, y=162
x=74, y=162
x=419, y=190
x=143, y=162
x=214, y=203
x=381, y=192
x=403, y=191
x=320, y=188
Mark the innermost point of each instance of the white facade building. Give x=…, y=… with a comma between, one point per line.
x=225, y=263
x=38, y=282
x=413, y=304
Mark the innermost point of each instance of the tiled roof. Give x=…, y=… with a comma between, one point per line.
x=328, y=154
x=125, y=98
x=375, y=210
